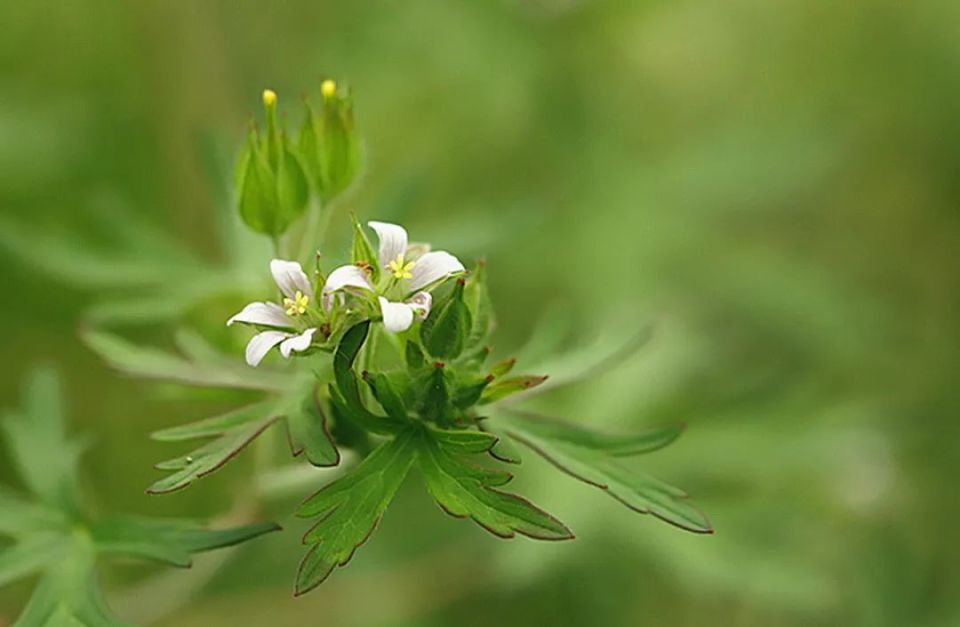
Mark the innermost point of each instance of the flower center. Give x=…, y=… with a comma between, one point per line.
x=400, y=269
x=296, y=305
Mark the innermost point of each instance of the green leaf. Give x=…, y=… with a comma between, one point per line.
x=44, y=457
x=444, y=332
x=463, y=489
x=68, y=594
x=224, y=372
x=233, y=431
x=350, y=508
x=19, y=515
x=508, y=387
x=170, y=541
x=593, y=459
x=30, y=555
x=348, y=388
x=60, y=539
x=309, y=433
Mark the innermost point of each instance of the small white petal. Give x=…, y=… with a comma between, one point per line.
x=297, y=343
x=396, y=316
x=290, y=278
x=393, y=241
x=269, y=314
x=420, y=303
x=347, y=276
x=344, y=276
x=261, y=343
x=433, y=266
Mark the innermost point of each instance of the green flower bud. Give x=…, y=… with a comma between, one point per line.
x=272, y=189
x=328, y=143
x=444, y=333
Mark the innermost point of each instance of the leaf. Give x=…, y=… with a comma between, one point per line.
x=170, y=541
x=593, y=459
x=60, y=539
x=44, y=457
x=309, y=433
x=349, y=390
x=350, y=508
x=463, y=489
x=157, y=364
x=68, y=594
x=233, y=431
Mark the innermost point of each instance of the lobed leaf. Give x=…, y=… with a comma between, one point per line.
x=350, y=508
x=592, y=458
x=170, y=541
x=233, y=431
x=465, y=490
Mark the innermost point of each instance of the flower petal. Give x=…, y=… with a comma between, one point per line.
x=420, y=304
x=290, y=278
x=347, y=276
x=269, y=314
x=297, y=343
x=393, y=241
x=431, y=267
x=261, y=343
x=396, y=316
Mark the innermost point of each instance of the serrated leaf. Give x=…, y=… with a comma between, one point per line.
x=232, y=430
x=593, y=459
x=350, y=508
x=465, y=490
x=170, y=541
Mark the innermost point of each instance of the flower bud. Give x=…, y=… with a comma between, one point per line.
x=444, y=332
x=328, y=143
x=272, y=189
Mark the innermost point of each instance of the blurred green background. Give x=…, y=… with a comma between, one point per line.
x=775, y=184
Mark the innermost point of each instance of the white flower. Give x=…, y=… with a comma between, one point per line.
x=287, y=321
x=406, y=271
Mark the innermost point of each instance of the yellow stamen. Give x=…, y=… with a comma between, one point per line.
x=328, y=89
x=400, y=269
x=297, y=305
x=269, y=97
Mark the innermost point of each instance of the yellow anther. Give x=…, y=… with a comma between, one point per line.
x=328, y=88
x=269, y=97
x=400, y=269
x=297, y=305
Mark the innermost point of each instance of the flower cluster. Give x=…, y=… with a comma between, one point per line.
x=400, y=280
